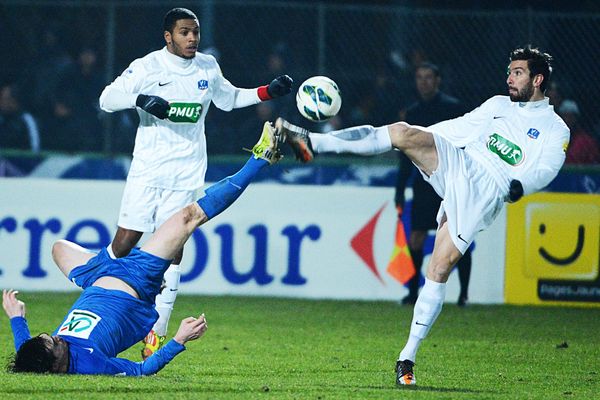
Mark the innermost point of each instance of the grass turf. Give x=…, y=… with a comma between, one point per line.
x=299, y=349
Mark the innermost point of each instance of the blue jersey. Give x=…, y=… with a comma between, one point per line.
x=102, y=323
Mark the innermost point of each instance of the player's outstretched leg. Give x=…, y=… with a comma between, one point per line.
x=170, y=237
x=298, y=139
x=363, y=140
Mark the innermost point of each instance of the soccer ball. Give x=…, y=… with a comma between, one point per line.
x=318, y=98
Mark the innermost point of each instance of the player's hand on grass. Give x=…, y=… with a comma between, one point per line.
x=12, y=306
x=154, y=105
x=191, y=329
x=280, y=86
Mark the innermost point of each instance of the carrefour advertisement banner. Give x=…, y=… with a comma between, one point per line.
x=553, y=246
x=287, y=240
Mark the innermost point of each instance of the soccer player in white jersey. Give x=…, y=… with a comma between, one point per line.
x=172, y=89
x=509, y=146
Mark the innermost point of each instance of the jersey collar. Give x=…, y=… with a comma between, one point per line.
x=176, y=62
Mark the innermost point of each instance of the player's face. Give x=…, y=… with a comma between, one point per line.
x=520, y=84
x=60, y=349
x=427, y=83
x=183, y=42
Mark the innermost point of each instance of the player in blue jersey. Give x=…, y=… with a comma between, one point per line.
x=116, y=309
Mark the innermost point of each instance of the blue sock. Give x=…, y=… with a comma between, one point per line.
x=223, y=193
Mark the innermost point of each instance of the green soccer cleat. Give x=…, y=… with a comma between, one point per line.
x=152, y=342
x=267, y=147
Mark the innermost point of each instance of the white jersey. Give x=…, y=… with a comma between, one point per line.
x=511, y=140
x=171, y=153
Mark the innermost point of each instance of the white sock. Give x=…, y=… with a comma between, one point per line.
x=364, y=140
x=427, y=308
x=166, y=299
x=110, y=251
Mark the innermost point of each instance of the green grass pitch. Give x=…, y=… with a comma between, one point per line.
x=299, y=349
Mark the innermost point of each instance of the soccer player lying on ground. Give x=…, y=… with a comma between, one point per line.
x=116, y=309
x=509, y=146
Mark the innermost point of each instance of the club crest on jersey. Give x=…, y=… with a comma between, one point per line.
x=79, y=324
x=508, y=151
x=202, y=84
x=184, y=112
x=533, y=133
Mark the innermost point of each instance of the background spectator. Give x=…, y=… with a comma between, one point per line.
x=583, y=148
x=18, y=128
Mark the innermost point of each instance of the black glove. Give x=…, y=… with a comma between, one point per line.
x=280, y=86
x=154, y=105
x=515, y=192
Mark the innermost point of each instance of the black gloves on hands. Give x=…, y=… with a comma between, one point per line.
x=154, y=105
x=515, y=192
x=280, y=86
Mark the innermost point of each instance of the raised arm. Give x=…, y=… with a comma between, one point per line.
x=15, y=310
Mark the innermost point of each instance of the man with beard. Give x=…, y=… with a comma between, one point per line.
x=509, y=146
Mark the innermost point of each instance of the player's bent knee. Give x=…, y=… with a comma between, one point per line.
x=192, y=214
x=58, y=249
x=405, y=136
x=398, y=134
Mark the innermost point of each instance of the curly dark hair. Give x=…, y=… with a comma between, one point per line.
x=33, y=356
x=538, y=62
x=175, y=15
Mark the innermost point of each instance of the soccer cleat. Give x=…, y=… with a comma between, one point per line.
x=297, y=138
x=152, y=342
x=404, y=373
x=267, y=147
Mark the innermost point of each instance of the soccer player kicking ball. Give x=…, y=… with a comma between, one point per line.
x=172, y=90
x=116, y=309
x=509, y=146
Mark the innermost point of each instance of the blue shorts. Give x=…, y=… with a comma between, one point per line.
x=140, y=270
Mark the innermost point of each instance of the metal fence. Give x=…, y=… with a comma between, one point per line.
x=369, y=51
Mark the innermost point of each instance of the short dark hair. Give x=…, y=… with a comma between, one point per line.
x=537, y=62
x=33, y=356
x=175, y=15
x=430, y=66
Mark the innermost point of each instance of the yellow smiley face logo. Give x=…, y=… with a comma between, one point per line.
x=562, y=242
x=552, y=250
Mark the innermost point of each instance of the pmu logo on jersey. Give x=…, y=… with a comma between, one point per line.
x=79, y=324
x=202, y=84
x=508, y=151
x=533, y=133
x=184, y=112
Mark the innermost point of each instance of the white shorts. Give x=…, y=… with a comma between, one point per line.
x=145, y=208
x=471, y=198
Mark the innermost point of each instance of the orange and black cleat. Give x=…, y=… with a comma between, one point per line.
x=404, y=373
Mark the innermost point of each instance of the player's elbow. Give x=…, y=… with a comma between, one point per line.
x=102, y=101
